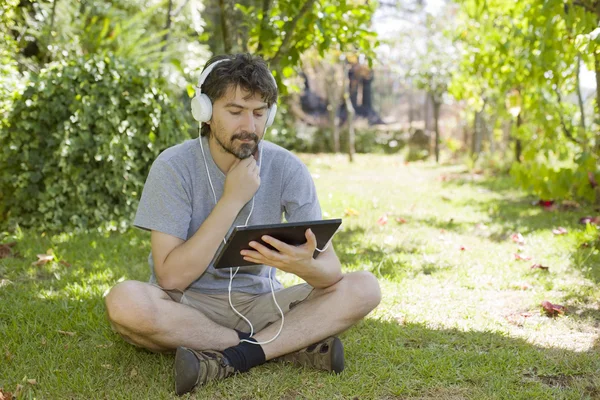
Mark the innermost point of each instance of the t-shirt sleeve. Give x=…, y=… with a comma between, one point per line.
x=299, y=196
x=165, y=205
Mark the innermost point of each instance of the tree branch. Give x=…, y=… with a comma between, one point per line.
x=290, y=32
x=588, y=7
x=266, y=7
x=178, y=10
x=567, y=132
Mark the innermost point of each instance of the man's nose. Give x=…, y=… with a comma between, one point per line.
x=249, y=123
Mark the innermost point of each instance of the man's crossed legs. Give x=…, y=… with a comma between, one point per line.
x=207, y=338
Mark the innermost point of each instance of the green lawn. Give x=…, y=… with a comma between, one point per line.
x=460, y=316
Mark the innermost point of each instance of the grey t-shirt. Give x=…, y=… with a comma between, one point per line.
x=177, y=198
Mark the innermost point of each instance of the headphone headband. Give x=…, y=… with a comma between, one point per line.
x=202, y=105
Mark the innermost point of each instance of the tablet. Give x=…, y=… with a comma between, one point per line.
x=293, y=233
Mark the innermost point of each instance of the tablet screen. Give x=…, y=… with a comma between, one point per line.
x=228, y=255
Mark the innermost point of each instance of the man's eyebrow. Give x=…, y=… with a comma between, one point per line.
x=235, y=105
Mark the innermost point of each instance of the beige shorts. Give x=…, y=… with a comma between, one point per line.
x=259, y=309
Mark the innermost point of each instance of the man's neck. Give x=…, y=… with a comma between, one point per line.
x=222, y=158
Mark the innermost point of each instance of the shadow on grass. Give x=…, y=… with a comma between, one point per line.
x=357, y=252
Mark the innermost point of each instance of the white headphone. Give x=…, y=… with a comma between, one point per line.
x=202, y=106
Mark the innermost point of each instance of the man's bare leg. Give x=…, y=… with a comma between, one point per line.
x=327, y=312
x=146, y=316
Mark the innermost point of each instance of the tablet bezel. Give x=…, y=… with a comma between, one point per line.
x=228, y=255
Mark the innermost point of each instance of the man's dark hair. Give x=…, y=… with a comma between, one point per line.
x=249, y=72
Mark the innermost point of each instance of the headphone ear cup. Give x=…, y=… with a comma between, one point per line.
x=201, y=108
x=272, y=113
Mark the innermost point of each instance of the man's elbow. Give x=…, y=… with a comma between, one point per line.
x=170, y=282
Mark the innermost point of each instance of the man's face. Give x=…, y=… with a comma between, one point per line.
x=238, y=122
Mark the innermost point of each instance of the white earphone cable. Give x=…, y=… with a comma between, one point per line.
x=233, y=274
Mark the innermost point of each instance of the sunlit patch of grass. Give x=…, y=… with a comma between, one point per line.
x=460, y=317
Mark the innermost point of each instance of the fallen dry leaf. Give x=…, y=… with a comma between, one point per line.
x=32, y=381
x=382, y=220
x=592, y=180
x=6, y=249
x=107, y=366
x=518, y=318
x=521, y=285
x=133, y=373
x=546, y=204
x=400, y=220
x=4, y=395
x=590, y=220
x=552, y=310
x=8, y=355
x=522, y=257
x=44, y=259
x=5, y=282
x=67, y=333
x=517, y=238
x=559, y=231
x=569, y=205
x=538, y=266
x=350, y=212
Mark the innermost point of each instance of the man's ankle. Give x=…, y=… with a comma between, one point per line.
x=245, y=355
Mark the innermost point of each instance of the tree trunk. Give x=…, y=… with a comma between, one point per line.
x=426, y=112
x=224, y=29
x=332, y=86
x=580, y=98
x=476, y=134
x=167, y=26
x=436, y=116
x=411, y=116
x=350, y=110
x=518, y=148
x=597, y=68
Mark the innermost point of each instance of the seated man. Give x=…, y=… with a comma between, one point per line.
x=194, y=193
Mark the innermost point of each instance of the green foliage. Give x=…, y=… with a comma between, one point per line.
x=291, y=28
x=520, y=63
x=79, y=142
x=546, y=180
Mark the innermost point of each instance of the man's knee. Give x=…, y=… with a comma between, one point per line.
x=130, y=306
x=363, y=288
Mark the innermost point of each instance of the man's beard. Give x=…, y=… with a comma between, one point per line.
x=243, y=150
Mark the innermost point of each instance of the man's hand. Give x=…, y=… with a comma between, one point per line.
x=293, y=259
x=242, y=181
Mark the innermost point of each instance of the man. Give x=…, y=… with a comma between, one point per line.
x=194, y=193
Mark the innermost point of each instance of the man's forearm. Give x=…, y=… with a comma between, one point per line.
x=189, y=260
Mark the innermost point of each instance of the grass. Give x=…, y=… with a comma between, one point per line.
x=453, y=324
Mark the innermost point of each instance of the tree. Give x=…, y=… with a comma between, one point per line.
x=533, y=48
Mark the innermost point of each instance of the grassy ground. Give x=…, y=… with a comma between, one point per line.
x=460, y=316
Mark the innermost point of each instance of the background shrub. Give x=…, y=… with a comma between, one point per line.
x=79, y=141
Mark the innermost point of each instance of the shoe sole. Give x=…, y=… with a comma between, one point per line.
x=186, y=369
x=337, y=356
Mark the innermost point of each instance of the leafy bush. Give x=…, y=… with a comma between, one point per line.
x=79, y=142
x=567, y=181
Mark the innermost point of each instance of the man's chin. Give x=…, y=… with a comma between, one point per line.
x=245, y=151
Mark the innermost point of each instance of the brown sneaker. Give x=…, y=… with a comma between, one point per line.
x=194, y=368
x=327, y=355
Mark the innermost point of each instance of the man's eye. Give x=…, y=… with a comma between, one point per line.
x=258, y=114
x=235, y=113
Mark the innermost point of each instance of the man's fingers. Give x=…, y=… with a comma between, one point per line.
x=311, y=239
x=235, y=164
x=279, y=245
x=266, y=252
